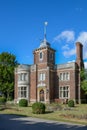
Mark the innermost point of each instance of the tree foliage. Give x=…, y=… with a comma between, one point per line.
x=83, y=75
x=7, y=64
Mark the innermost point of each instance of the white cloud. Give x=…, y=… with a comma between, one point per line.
x=71, y=61
x=85, y=63
x=69, y=53
x=65, y=35
x=65, y=47
x=83, y=39
x=69, y=37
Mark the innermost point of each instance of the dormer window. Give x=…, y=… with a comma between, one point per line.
x=41, y=55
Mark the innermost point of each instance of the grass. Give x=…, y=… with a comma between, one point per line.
x=77, y=114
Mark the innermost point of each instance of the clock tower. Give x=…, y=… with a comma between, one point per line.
x=44, y=59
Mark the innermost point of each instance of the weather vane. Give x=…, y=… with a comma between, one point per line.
x=45, y=24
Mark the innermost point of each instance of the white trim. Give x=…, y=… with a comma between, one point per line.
x=65, y=90
x=62, y=76
x=27, y=92
x=42, y=69
x=41, y=76
x=41, y=85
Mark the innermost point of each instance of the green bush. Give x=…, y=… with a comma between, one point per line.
x=38, y=108
x=71, y=103
x=9, y=99
x=2, y=100
x=23, y=103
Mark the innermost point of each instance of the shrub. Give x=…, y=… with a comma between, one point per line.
x=23, y=103
x=2, y=100
x=38, y=108
x=71, y=103
x=10, y=99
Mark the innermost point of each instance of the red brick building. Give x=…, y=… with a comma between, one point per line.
x=46, y=81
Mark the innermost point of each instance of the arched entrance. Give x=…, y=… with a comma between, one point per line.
x=41, y=95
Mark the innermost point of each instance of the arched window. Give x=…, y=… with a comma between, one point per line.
x=41, y=56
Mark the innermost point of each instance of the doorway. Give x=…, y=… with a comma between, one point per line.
x=42, y=95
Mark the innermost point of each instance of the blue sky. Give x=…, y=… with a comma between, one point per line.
x=22, y=27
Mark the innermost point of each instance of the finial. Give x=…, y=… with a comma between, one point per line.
x=45, y=24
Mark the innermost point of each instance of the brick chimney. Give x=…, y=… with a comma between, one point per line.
x=80, y=63
x=79, y=55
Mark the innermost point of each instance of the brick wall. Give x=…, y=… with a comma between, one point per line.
x=33, y=85
x=46, y=55
x=71, y=83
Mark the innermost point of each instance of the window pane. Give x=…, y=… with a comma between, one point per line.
x=64, y=76
x=40, y=77
x=25, y=88
x=21, y=88
x=67, y=76
x=64, y=92
x=22, y=92
x=61, y=76
x=25, y=94
x=40, y=55
x=43, y=76
x=24, y=77
x=67, y=88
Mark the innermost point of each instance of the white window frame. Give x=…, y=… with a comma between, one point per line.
x=23, y=77
x=65, y=76
x=42, y=76
x=64, y=91
x=21, y=92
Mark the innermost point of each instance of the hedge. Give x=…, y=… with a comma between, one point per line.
x=71, y=103
x=23, y=103
x=38, y=108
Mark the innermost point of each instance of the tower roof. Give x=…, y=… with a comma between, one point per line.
x=45, y=43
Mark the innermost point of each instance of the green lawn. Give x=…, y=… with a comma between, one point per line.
x=77, y=114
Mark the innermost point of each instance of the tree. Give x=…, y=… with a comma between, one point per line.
x=7, y=64
x=83, y=75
